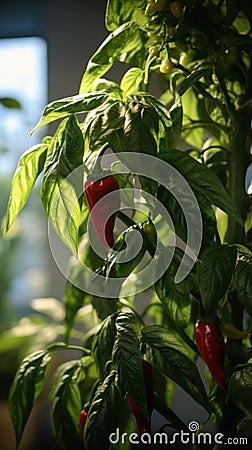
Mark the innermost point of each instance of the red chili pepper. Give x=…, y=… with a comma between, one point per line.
x=103, y=216
x=82, y=421
x=143, y=424
x=210, y=343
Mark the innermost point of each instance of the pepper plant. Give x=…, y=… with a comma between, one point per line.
x=183, y=103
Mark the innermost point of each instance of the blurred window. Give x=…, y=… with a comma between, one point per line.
x=23, y=81
x=23, y=76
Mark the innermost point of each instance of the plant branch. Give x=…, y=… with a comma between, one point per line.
x=166, y=412
x=129, y=222
x=62, y=346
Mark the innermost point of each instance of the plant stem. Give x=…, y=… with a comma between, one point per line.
x=166, y=412
x=62, y=346
x=129, y=223
x=237, y=164
x=239, y=160
x=173, y=419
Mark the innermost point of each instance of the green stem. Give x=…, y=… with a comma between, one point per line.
x=166, y=412
x=62, y=346
x=125, y=219
x=239, y=160
x=146, y=80
x=173, y=419
x=237, y=165
x=224, y=91
x=129, y=223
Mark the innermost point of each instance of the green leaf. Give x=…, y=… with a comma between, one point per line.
x=108, y=86
x=141, y=128
x=75, y=297
x=174, y=131
x=104, y=123
x=233, y=8
x=126, y=255
x=118, y=12
x=104, y=413
x=126, y=38
x=74, y=146
x=170, y=356
x=175, y=210
x=28, y=169
x=214, y=272
x=179, y=220
x=193, y=78
x=67, y=402
x=175, y=296
x=165, y=121
x=208, y=219
x=25, y=389
x=242, y=22
x=201, y=179
x=9, y=102
x=127, y=357
x=240, y=389
x=193, y=125
x=103, y=343
x=61, y=183
x=71, y=105
x=131, y=81
x=243, y=282
x=217, y=111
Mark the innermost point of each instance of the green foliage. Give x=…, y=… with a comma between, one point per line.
x=127, y=357
x=9, y=102
x=70, y=105
x=170, y=356
x=125, y=39
x=240, y=389
x=243, y=281
x=103, y=344
x=67, y=400
x=175, y=296
x=201, y=179
x=201, y=126
x=103, y=412
x=28, y=169
x=26, y=388
x=214, y=273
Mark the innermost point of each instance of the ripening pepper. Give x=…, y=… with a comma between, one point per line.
x=143, y=424
x=82, y=421
x=234, y=333
x=176, y=9
x=103, y=216
x=211, y=345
